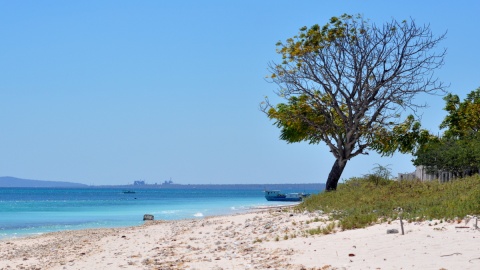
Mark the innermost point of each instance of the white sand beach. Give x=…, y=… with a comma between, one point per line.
x=263, y=239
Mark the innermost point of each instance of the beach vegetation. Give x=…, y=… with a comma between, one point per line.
x=380, y=175
x=314, y=231
x=359, y=202
x=316, y=219
x=328, y=229
x=349, y=84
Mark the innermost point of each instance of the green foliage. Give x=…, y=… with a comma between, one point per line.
x=359, y=203
x=405, y=137
x=292, y=128
x=458, y=156
x=463, y=118
x=298, y=119
x=458, y=151
x=344, y=29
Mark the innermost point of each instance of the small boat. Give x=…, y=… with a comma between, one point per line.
x=128, y=192
x=275, y=195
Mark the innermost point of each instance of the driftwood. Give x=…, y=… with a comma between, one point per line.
x=456, y=253
x=473, y=259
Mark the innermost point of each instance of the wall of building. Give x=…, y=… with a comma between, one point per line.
x=421, y=174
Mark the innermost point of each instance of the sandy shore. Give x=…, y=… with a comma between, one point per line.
x=264, y=239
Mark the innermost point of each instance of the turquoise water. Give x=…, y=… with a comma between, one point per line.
x=30, y=211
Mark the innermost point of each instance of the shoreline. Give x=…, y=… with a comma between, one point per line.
x=198, y=215
x=275, y=238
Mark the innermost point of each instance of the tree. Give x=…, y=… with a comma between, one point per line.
x=463, y=118
x=347, y=83
x=458, y=150
x=461, y=157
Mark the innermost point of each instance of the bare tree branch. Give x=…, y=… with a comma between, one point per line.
x=349, y=80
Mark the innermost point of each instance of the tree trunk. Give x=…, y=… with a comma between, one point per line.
x=334, y=175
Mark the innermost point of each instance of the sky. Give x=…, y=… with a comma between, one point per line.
x=109, y=92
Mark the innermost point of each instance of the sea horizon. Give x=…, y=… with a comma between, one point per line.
x=11, y=181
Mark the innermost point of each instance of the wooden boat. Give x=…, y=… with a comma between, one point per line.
x=275, y=195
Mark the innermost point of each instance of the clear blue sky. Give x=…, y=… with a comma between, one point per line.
x=108, y=92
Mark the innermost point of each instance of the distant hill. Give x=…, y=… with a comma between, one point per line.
x=7, y=181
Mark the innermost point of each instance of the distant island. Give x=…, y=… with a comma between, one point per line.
x=8, y=181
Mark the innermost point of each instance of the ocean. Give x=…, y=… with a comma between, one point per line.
x=32, y=211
